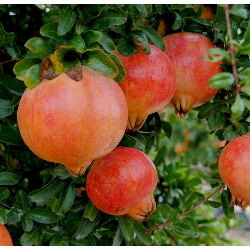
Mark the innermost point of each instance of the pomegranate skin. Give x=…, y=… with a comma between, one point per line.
x=73, y=123
x=186, y=50
x=149, y=84
x=123, y=182
x=234, y=169
x=5, y=238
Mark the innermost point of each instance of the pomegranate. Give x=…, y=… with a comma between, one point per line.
x=123, y=182
x=186, y=50
x=149, y=84
x=73, y=123
x=5, y=238
x=234, y=169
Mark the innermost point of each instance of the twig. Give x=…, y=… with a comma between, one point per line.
x=186, y=212
x=5, y=206
x=13, y=60
x=232, y=47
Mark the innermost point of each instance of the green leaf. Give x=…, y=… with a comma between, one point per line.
x=225, y=200
x=221, y=80
x=4, y=193
x=3, y=217
x=72, y=223
x=79, y=27
x=67, y=20
x=107, y=43
x=118, y=237
x=62, y=172
x=239, y=10
x=230, y=133
x=15, y=86
x=8, y=179
x=191, y=199
x=245, y=46
x=85, y=227
x=90, y=212
x=153, y=36
x=246, y=103
x=183, y=6
x=10, y=136
x=164, y=210
x=127, y=47
x=160, y=237
x=208, y=110
x=77, y=42
x=9, y=37
x=31, y=78
x=2, y=35
x=217, y=54
x=216, y=120
x=22, y=66
x=66, y=199
x=180, y=228
x=121, y=70
x=142, y=9
x=126, y=228
x=167, y=128
x=47, y=192
x=22, y=199
x=238, y=107
x=214, y=204
x=50, y=30
x=107, y=18
x=58, y=241
x=172, y=216
x=42, y=216
x=178, y=20
x=6, y=108
x=160, y=8
x=209, y=177
x=92, y=36
x=194, y=227
x=100, y=62
x=142, y=37
x=160, y=156
x=39, y=47
x=27, y=223
x=14, y=216
x=140, y=232
x=30, y=238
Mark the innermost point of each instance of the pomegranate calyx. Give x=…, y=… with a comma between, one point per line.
x=135, y=121
x=239, y=202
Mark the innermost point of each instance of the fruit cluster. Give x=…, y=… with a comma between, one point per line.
x=78, y=123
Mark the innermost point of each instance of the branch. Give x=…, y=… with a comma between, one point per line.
x=13, y=60
x=5, y=206
x=232, y=47
x=186, y=212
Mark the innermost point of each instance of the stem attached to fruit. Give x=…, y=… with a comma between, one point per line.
x=156, y=227
x=232, y=48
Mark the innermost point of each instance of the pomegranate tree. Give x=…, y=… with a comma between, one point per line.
x=5, y=238
x=186, y=50
x=234, y=169
x=73, y=123
x=149, y=84
x=123, y=182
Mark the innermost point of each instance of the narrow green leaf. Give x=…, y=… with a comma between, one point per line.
x=214, y=204
x=142, y=37
x=140, y=232
x=22, y=199
x=208, y=177
x=239, y=10
x=8, y=178
x=216, y=120
x=180, y=228
x=118, y=237
x=72, y=223
x=194, y=227
x=230, y=133
x=31, y=78
x=142, y=9
x=47, y=192
x=160, y=8
x=4, y=193
x=30, y=238
x=90, y=212
x=160, y=156
x=27, y=223
x=167, y=128
x=79, y=27
x=217, y=54
x=14, y=216
x=191, y=199
x=160, y=237
x=127, y=47
x=225, y=200
x=67, y=20
x=246, y=103
x=92, y=36
x=3, y=217
x=208, y=110
x=50, y=30
x=100, y=62
x=66, y=199
x=178, y=20
x=39, y=47
x=238, y=107
x=42, y=216
x=126, y=228
x=62, y=172
x=221, y=80
x=172, y=216
x=107, y=43
x=164, y=210
x=85, y=227
x=245, y=47
x=121, y=70
x=10, y=136
x=77, y=42
x=6, y=108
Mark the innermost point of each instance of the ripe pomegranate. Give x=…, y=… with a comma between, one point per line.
x=5, y=238
x=73, y=123
x=207, y=12
x=149, y=84
x=123, y=182
x=186, y=50
x=234, y=169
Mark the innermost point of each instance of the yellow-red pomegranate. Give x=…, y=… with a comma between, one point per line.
x=5, y=238
x=149, y=84
x=123, y=182
x=234, y=169
x=186, y=50
x=73, y=123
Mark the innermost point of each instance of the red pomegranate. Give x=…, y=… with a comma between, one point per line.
x=123, y=182
x=186, y=50
x=73, y=123
x=234, y=169
x=149, y=83
x=5, y=238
